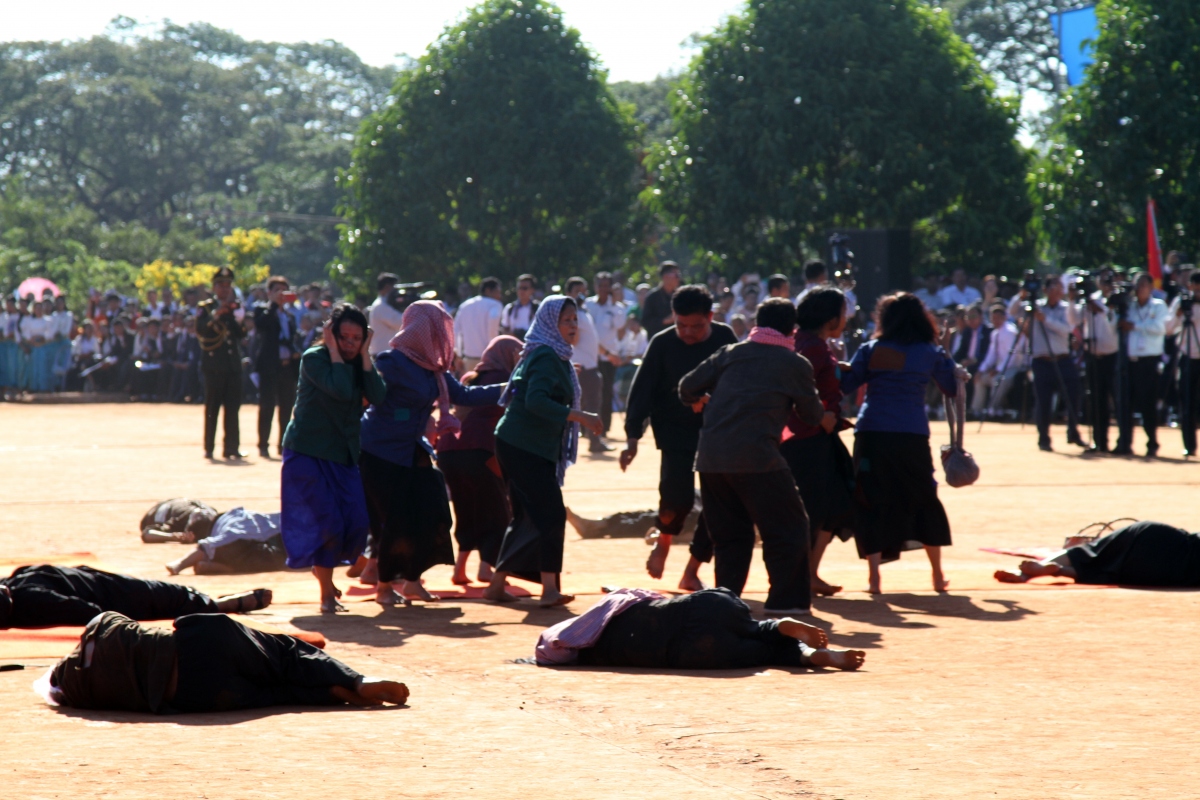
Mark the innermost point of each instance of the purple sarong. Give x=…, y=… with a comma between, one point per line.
x=324, y=514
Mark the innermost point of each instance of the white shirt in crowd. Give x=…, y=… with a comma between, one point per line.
x=476, y=324
x=954, y=296
x=609, y=319
x=587, y=351
x=1104, y=336
x=932, y=301
x=517, y=317
x=8, y=325
x=84, y=347
x=1189, y=342
x=1003, y=339
x=384, y=322
x=1052, y=334
x=1149, y=328
x=63, y=323
x=32, y=327
x=633, y=345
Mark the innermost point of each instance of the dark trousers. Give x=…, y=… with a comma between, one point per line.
x=222, y=390
x=533, y=542
x=676, y=489
x=1143, y=398
x=736, y=503
x=1045, y=385
x=1102, y=376
x=589, y=396
x=225, y=666
x=1189, y=400
x=608, y=379
x=276, y=389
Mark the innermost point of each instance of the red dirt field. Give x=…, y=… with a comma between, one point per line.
x=990, y=691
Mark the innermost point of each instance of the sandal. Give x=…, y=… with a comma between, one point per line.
x=332, y=606
x=258, y=595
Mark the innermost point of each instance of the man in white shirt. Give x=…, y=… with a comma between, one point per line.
x=608, y=314
x=1053, y=369
x=997, y=371
x=587, y=358
x=958, y=293
x=1185, y=324
x=1100, y=348
x=477, y=323
x=931, y=295
x=383, y=320
x=1145, y=326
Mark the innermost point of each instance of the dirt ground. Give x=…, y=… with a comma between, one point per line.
x=989, y=691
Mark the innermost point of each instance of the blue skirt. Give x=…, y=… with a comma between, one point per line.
x=324, y=514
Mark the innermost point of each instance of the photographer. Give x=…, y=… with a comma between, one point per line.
x=1100, y=338
x=1181, y=321
x=277, y=361
x=219, y=329
x=1144, y=326
x=1053, y=369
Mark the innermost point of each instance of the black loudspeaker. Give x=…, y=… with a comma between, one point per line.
x=882, y=262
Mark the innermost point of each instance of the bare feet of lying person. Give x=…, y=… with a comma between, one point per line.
x=1040, y=569
x=245, y=601
x=415, y=590
x=822, y=589
x=585, y=527
x=657, y=561
x=1010, y=576
x=838, y=659
x=372, y=692
x=811, y=635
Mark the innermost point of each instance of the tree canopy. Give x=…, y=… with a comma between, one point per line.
x=502, y=151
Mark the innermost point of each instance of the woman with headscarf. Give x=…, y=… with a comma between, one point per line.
x=467, y=457
x=536, y=440
x=324, y=517
x=406, y=495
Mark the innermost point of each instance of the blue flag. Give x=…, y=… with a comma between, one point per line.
x=1076, y=31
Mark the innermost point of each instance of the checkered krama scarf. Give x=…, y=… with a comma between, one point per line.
x=427, y=337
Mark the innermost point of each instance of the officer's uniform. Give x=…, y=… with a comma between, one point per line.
x=220, y=338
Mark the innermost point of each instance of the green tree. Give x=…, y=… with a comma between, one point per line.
x=502, y=151
x=1013, y=39
x=789, y=127
x=1127, y=134
x=651, y=107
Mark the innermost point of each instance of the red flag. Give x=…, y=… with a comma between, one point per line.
x=1153, y=250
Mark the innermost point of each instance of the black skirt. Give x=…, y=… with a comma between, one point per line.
x=480, y=498
x=533, y=543
x=1142, y=554
x=410, y=516
x=824, y=474
x=244, y=556
x=895, y=495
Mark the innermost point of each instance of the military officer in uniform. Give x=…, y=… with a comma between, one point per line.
x=219, y=330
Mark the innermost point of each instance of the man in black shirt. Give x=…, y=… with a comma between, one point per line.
x=220, y=333
x=656, y=308
x=654, y=395
x=277, y=363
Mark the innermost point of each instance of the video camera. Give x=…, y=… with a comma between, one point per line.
x=840, y=253
x=404, y=295
x=1187, y=299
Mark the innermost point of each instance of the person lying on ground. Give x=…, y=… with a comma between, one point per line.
x=628, y=524
x=179, y=519
x=1142, y=554
x=709, y=629
x=45, y=596
x=239, y=541
x=208, y=663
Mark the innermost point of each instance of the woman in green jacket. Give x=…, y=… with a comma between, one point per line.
x=537, y=438
x=324, y=515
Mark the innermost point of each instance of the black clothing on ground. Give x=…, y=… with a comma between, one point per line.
x=46, y=596
x=709, y=629
x=654, y=394
x=480, y=498
x=409, y=514
x=895, y=495
x=226, y=666
x=118, y=666
x=1102, y=384
x=1142, y=554
x=222, y=390
x=533, y=542
x=754, y=388
x=824, y=475
x=246, y=556
x=656, y=308
x=172, y=516
x=734, y=504
x=1143, y=399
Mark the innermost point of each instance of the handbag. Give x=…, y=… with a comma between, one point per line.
x=959, y=465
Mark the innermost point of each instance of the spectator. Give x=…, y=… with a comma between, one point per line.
x=931, y=294
x=518, y=316
x=586, y=356
x=958, y=293
x=608, y=314
x=656, y=308
x=816, y=275
x=779, y=286
x=738, y=323
x=384, y=320
x=477, y=323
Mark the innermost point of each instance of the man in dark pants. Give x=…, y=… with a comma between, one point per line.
x=1144, y=326
x=1185, y=324
x=745, y=481
x=220, y=334
x=654, y=396
x=1100, y=341
x=277, y=364
x=608, y=314
x=656, y=308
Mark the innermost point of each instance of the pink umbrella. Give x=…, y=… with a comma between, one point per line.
x=37, y=287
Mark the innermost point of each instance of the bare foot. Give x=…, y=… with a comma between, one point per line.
x=823, y=589
x=385, y=595
x=485, y=573
x=357, y=567
x=352, y=697
x=811, y=635
x=174, y=568
x=384, y=691
x=658, y=558
x=415, y=590
x=498, y=594
x=244, y=601
x=330, y=605
x=460, y=579
x=839, y=659
x=692, y=583
x=556, y=599
x=370, y=573
x=1036, y=569
x=1010, y=576
x=873, y=586
x=940, y=582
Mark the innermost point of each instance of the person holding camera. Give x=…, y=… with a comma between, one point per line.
x=1181, y=322
x=1100, y=339
x=277, y=362
x=219, y=329
x=1053, y=370
x=1145, y=327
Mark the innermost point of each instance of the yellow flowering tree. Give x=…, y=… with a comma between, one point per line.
x=161, y=273
x=247, y=252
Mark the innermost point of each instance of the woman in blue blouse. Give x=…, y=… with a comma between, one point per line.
x=406, y=495
x=897, y=506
